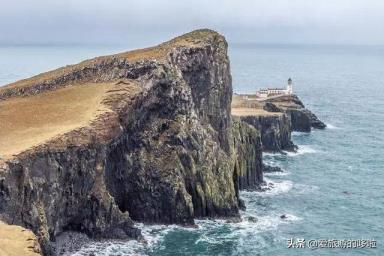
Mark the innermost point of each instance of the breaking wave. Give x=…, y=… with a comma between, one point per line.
x=303, y=149
x=270, y=174
x=332, y=127
x=153, y=235
x=272, y=188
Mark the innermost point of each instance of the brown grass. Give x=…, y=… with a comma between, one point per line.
x=135, y=55
x=253, y=112
x=17, y=241
x=242, y=107
x=158, y=52
x=239, y=102
x=29, y=121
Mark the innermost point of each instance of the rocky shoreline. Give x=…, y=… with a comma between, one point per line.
x=276, y=119
x=164, y=143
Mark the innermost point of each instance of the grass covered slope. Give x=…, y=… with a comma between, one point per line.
x=28, y=121
x=84, y=71
x=17, y=241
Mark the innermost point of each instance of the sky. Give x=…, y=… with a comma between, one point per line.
x=45, y=22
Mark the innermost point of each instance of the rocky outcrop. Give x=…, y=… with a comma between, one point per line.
x=269, y=168
x=159, y=147
x=175, y=161
x=53, y=191
x=275, y=131
x=275, y=118
x=164, y=151
x=302, y=119
x=248, y=174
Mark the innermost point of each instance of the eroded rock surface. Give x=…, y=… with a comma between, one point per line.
x=248, y=172
x=157, y=148
x=275, y=118
x=141, y=136
x=302, y=119
x=275, y=131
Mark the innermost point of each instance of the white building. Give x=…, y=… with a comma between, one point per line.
x=264, y=93
x=289, y=87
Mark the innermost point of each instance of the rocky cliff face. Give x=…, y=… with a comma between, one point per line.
x=248, y=173
x=275, y=118
x=302, y=119
x=275, y=131
x=164, y=151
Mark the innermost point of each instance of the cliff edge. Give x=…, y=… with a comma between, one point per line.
x=276, y=118
x=145, y=135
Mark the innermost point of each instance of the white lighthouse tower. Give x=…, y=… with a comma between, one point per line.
x=289, y=87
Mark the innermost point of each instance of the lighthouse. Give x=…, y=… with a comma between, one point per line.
x=289, y=87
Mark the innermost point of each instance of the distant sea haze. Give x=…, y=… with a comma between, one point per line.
x=330, y=189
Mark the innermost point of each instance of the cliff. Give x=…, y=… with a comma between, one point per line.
x=143, y=136
x=302, y=119
x=275, y=118
x=248, y=174
x=275, y=129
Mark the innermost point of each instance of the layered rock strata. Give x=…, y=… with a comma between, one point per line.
x=275, y=131
x=276, y=118
x=248, y=174
x=139, y=136
x=145, y=136
x=302, y=119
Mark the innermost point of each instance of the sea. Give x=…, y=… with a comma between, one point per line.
x=331, y=190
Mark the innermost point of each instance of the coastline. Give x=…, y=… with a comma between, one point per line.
x=238, y=164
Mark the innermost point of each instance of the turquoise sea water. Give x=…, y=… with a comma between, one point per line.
x=331, y=189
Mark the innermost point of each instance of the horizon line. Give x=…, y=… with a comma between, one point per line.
x=230, y=42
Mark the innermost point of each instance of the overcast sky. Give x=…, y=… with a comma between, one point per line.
x=149, y=21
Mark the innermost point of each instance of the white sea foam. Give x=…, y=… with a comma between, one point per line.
x=263, y=223
x=153, y=235
x=271, y=162
x=271, y=153
x=303, y=149
x=112, y=248
x=210, y=229
x=300, y=134
x=270, y=174
x=332, y=127
x=290, y=217
x=272, y=188
x=277, y=188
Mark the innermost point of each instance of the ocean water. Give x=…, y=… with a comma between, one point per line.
x=332, y=188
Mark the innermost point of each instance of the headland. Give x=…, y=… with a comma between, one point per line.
x=151, y=135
